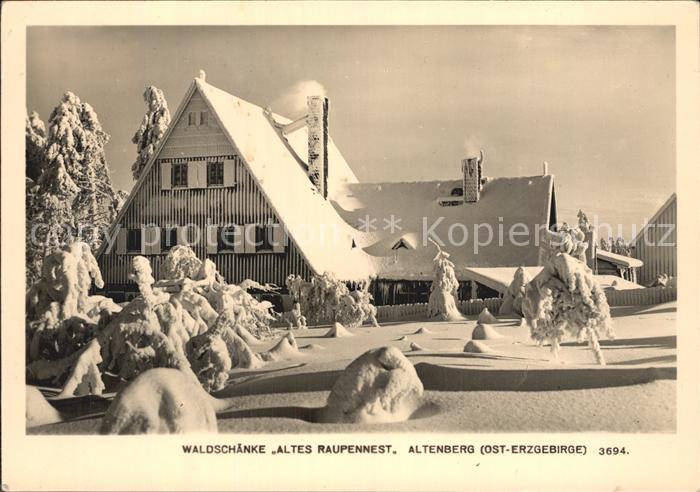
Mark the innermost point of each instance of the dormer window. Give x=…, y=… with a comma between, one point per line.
x=400, y=245
x=404, y=243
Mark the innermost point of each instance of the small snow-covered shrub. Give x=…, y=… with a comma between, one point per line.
x=180, y=262
x=62, y=318
x=326, y=298
x=565, y=299
x=513, y=298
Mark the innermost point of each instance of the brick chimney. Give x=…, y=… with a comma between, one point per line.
x=317, y=123
x=471, y=177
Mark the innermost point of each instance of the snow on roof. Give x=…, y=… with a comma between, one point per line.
x=325, y=230
x=625, y=261
x=653, y=219
x=617, y=283
x=499, y=278
x=413, y=208
x=323, y=238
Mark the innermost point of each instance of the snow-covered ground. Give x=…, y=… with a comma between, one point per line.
x=513, y=388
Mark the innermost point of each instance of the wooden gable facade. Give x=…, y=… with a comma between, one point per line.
x=198, y=182
x=656, y=244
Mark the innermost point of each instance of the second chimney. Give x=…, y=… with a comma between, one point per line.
x=471, y=178
x=317, y=123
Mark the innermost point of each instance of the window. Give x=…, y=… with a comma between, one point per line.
x=226, y=239
x=179, y=174
x=203, y=118
x=192, y=119
x=133, y=241
x=215, y=173
x=263, y=237
x=400, y=245
x=168, y=238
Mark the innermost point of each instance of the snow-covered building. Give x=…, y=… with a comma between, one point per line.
x=264, y=197
x=656, y=244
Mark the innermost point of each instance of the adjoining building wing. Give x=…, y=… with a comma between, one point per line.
x=500, y=229
x=656, y=244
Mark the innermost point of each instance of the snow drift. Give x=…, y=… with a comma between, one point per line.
x=379, y=386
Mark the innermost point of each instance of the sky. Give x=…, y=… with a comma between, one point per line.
x=408, y=103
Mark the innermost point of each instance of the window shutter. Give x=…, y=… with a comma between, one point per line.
x=182, y=235
x=165, y=176
x=239, y=240
x=229, y=172
x=278, y=239
x=202, y=173
x=121, y=240
x=212, y=236
x=192, y=174
x=249, y=238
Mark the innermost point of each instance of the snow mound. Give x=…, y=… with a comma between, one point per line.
x=485, y=332
x=486, y=318
x=402, y=339
x=247, y=336
x=38, y=410
x=379, y=386
x=209, y=359
x=423, y=331
x=160, y=401
x=475, y=347
x=286, y=348
x=313, y=346
x=338, y=331
x=85, y=377
x=415, y=347
x=242, y=357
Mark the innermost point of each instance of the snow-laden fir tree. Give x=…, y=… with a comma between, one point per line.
x=35, y=146
x=583, y=222
x=153, y=126
x=49, y=217
x=443, y=290
x=75, y=143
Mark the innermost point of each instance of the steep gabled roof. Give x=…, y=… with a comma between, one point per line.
x=503, y=203
x=323, y=238
x=661, y=210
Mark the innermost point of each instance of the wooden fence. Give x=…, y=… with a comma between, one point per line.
x=641, y=297
x=472, y=307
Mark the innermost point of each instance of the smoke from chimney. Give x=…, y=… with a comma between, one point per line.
x=471, y=147
x=292, y=102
